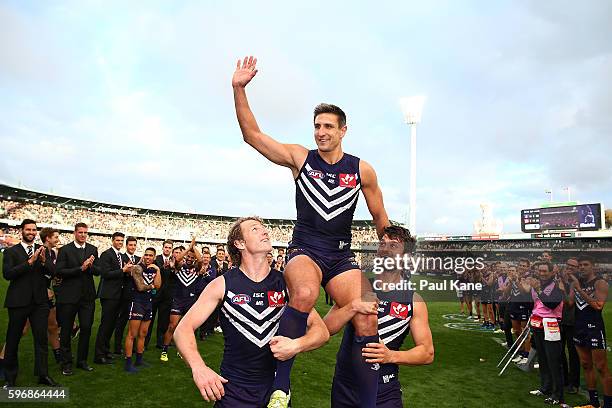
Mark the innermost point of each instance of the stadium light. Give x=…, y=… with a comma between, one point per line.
x=412, y=108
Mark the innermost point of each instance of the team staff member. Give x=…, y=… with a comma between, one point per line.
x=113, y=269
x=50, y=238
x=545, y=322
x=25, y=267
x=131, y=243
x=76, y=265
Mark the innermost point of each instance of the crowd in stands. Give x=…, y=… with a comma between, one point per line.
x=153, y=227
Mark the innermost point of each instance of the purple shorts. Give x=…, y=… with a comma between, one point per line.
x=344, y=394
x=140, y=311
x=239, y=396
x=331, y=264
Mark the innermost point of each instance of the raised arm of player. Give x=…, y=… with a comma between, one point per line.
x=338, y=317
x=373, y=196
x=292, y=156
x=284, y=348
x=423, y=351
x=208, y=382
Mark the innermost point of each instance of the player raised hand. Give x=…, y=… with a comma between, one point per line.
x=245, y=71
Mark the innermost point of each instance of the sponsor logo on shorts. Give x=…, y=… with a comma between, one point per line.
x=241, y=299
x=388, y=377
x=348, y=180
x=276, y=299
x=398, y=310
x=375, y=366
x=343, y=244
x=315, y=174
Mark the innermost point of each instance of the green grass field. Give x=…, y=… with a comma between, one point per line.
x=457, y=378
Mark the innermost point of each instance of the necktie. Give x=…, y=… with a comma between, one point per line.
x=53, y=256
x=119, y=260
x=132, y=258
x=30, y=251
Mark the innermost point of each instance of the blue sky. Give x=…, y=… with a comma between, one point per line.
x=131, y=102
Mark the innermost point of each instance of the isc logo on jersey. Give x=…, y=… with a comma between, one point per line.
x=348, y=180
x=276, y=299
x=241, y=299
x=398, y=310
x=315, y=174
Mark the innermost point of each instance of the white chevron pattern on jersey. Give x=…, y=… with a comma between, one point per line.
x=391, y=331
x=148, y=278
x=311, y=193
x=245, y=319
x=580, y=303
x=187, y=276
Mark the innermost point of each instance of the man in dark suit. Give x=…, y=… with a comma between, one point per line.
x=113, y=269
x=77, y=263
x=126, y=293
x=162, y=300
x=25, y=266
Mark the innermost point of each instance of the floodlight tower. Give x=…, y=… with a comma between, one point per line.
x=412, y=108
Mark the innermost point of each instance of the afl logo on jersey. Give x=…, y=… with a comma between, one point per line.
x=348, y=180
x=398, y=310
x=241, y=299
x=315, y=174
x=276, y=299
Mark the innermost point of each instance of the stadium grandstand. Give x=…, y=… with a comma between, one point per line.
x=150, y=225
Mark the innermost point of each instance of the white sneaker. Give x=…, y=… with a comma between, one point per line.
x=523, y=360
x=517, y=359
x=218, y=330
x=537, y=393
x=504, y=344
x=536, y=365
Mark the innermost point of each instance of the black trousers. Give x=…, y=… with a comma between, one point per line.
x=38, y=315
x=504, y=312
x=121, y=322
x=110, y=314
x=551, y=369
x=161, y=308
x=67, y=312
x=571, y=371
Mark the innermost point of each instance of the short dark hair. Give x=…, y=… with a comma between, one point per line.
x=524, y=260
x=333, y=109
x=150, y=249
x=220, y=249
x=118, y=234
x=586, y=258
x=80, y=225
x=46, y=233
x=130, y=239
x=168, y=241
x=235, y=234
x=25, y=222
x=401, y=234
x=220, y=246
x=549, y=265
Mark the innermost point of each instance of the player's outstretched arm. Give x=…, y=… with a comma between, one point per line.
x=287, y=155
x=423, y=351
x=338, y=317
x=373, y=196
x=284, y=348
x=208, y=382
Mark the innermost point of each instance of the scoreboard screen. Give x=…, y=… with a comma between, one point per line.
x=581, y=217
